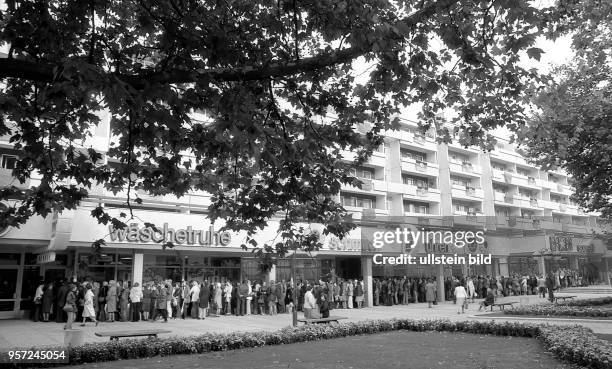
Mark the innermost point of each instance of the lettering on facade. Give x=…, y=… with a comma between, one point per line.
x=346, y=244
x=561, y=244
x=189, y=236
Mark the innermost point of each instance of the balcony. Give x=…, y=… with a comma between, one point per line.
x=575, y=228
x=521, y=223
x=7, y=179
x=466, y=168
x=466, y=192
x=507, y=156
x=377, y=159
x=550, y=225
x=505, y=198
x=421, y=167
x=421, y=193
x=370, y=186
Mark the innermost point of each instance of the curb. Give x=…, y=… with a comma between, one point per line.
x=542, y=319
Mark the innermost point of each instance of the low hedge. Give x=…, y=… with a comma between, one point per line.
x=574, y=344
x=560, y=310
x=589, y=302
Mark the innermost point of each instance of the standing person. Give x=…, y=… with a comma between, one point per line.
x=542, y=286
x=71, y=306
x=430, y=292
x=550, y=285
x=218, y=298
x=272, y=298
x=359, y=293
x=161, y=304
x=471, y=291
x=111, y=301
x=289, y=298
x=350, y=290
x=249, y=297
x=88, y=306
x=136, y=296
x=194, y=293
x=47, y=301
x=101, y=301
x=228, y=297
x=60, y=301
x=203, y=298
x=309, y=303
x=169, y=291
x=186, y=299
x=124, y=300
x=461, y=296
x=146, y=301
x=38, y=296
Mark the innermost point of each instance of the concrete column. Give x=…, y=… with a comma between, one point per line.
x=137, y=268
x=271, y=275
x=503, y=266
x=541, y=266
x=574, y=262
x=366, y=271
x=440, y=281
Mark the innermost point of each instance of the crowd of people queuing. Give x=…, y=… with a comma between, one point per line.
x=111, y=301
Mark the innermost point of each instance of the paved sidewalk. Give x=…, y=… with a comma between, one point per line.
x=24, y=333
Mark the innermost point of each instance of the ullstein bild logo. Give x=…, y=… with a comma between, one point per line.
x=188, y=236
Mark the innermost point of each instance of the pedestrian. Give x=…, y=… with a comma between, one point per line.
x=430, y=292
x=136, y=296
x=461, y=297
x=88, y=306
x=71, y=306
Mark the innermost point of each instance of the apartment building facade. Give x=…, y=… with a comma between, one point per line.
x=411, y=181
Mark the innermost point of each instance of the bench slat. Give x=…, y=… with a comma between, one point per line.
x=131, y=333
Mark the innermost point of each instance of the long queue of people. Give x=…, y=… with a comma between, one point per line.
x=112, y=301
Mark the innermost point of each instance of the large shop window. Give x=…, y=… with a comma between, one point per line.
x=214, y=269
x=305, y=269
x=105, y=267
x=162, y=267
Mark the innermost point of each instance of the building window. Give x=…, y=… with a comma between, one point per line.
x=413, y=155
x=458, y=158
x=523, y=172
x=500, y=189
x=460, y=181
x=503, y=213
x=416, y=207
x=357, y=201
x=498, y=166
x=9, y=161
x=419, y=182
x=363, y=173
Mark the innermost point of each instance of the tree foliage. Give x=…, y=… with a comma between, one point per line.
x=572, y=126
x=276, y=82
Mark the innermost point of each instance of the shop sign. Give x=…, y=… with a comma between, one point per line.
x=440, y=248
x=46, y=257
x=561, y=244
x=188, y=236
x=345, y=244
x=586, y=249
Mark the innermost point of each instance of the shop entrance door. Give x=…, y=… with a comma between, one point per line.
x=348, y=267
x=9, y=306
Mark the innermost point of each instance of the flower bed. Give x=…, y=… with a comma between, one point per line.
x=560, y=310
x=589, y=302
x=574, y=344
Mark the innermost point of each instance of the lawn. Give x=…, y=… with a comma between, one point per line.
x=399, y=349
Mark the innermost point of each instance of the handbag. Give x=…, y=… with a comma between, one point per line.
x=68, y=308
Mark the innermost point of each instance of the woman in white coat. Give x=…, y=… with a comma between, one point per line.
x=88, y=306
x=471, y=290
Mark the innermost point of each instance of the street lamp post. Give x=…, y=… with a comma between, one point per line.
x=294, y=291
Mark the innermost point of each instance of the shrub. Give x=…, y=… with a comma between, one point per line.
x=559, y=310
x=573, y=344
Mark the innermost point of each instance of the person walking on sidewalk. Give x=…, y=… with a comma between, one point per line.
x=88, y=306
x=461, y=296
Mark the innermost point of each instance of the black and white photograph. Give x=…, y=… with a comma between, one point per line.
x=329, y=184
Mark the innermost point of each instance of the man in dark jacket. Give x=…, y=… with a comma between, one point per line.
x=243, y=292
x=60, y=301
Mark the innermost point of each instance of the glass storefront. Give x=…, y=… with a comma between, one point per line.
x=110, y=265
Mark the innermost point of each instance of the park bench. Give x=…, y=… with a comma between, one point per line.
x=114, y=335
x=321, y=320
x=502, y=305
x=557, y=298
